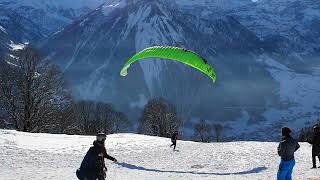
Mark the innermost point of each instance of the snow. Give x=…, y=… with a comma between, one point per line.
x=109, y=7
x=15, y=47
x=12, y=64
x=51, y=157
x=3, y=30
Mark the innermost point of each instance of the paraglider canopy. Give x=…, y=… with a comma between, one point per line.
x=173, y=53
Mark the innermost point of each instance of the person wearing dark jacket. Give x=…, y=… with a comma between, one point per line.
x=174, y=138
x=93, y=166
x=286, y=150
x=315, y=141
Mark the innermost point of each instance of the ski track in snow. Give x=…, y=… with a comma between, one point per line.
x=46, y=156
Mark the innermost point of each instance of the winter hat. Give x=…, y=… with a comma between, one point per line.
x=101, y=137
x=316, y=128
x=285, y=131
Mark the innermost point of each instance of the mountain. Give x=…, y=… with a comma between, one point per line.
x=53, y=156
x=263, y=59
x=32, y=21
x=265, y=53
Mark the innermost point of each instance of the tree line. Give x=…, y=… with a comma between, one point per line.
x=35, y=97
x=160, y=118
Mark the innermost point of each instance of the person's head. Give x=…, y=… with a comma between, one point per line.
x=101, y=137
x=285, y=131
x=316, y=129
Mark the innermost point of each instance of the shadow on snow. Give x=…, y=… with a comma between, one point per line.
x=135, y=167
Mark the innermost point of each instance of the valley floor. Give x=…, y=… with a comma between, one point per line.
x=27, y=156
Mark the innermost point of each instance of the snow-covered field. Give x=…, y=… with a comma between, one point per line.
x=28, y=156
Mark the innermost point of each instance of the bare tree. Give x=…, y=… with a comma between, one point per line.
x=8, y=91
x=218, y=128
x=159, y=118
x=96, y=116
x=203, y=130
x=33, y=92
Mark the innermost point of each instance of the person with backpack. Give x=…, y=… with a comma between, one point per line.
x=174, y=139
x=315, y=141
x=93, y=166
x=286, y=149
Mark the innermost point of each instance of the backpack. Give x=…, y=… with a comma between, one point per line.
x=90, y=165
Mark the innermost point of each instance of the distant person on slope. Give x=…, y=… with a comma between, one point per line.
x=92, y=166
x=174, y=139
x=286, y=150
x=315, y=141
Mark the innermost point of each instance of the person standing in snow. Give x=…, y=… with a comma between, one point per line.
x=93, y=166
x=174, y=139
x=315, y=141
x=286, y=150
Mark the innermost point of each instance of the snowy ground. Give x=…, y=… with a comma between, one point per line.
x=28, y=156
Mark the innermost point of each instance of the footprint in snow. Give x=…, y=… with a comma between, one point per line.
x=197, y=166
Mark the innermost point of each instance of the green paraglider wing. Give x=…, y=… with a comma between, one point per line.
x=174, y=53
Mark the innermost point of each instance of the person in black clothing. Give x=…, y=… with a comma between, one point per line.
x=93, y=166
x=286, y=149
x=315, y=141
x=174, y=138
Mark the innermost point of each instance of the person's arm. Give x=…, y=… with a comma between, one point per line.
x=109, y=157
x=281, y=149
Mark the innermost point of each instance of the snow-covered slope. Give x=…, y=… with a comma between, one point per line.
x=46, y=156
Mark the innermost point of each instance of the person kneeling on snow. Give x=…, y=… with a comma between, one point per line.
x=286, y=150
x=315, y=141
x=92, y=166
